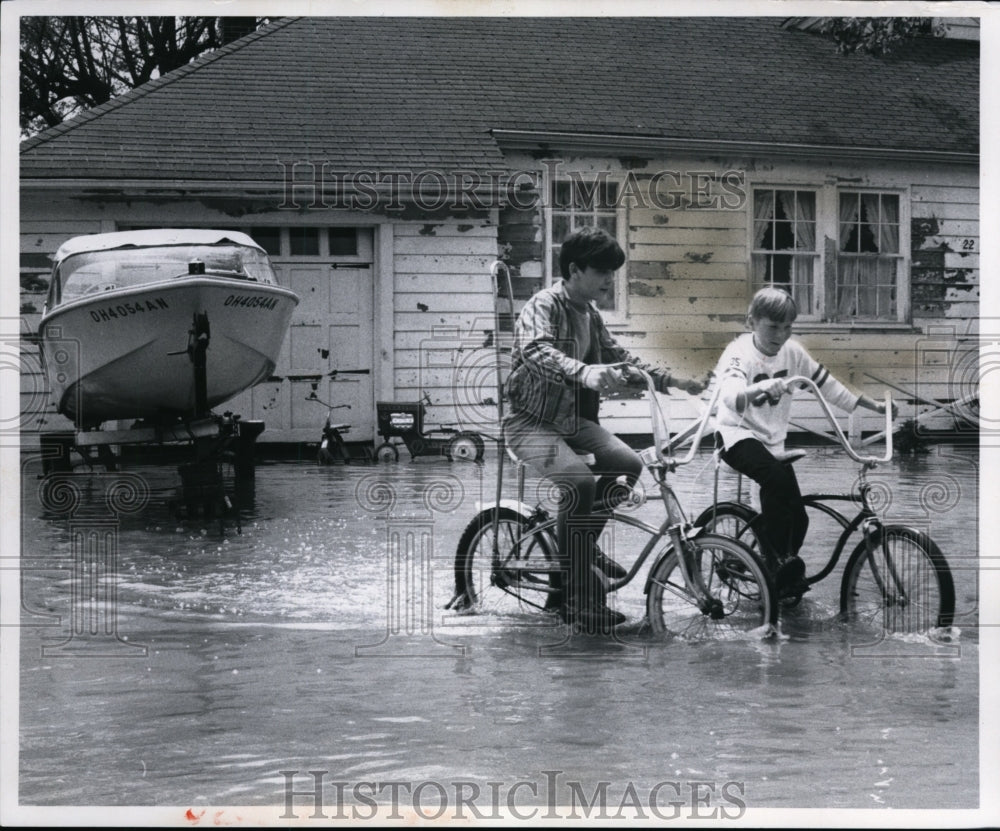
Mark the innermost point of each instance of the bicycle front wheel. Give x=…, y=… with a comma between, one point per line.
x=739, y=595
x=505, y=565
x=902, y=585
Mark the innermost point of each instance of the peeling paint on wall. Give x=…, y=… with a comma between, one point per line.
x=428, y=231
x=694, y=257
x=959, y=275
x=632, y=163
x=921, y=229
x=641, y=289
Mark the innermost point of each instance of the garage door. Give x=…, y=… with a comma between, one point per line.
x=332, y=329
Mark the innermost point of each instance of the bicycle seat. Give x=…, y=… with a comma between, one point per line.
x=790, y=456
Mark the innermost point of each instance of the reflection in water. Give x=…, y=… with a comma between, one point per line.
x=290, y=643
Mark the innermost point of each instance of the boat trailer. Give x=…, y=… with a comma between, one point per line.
x=214, y=439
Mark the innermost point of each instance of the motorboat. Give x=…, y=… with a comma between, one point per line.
x=159, y=324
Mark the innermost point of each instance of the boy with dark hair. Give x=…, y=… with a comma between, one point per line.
x=564, y=357
x=752, y=423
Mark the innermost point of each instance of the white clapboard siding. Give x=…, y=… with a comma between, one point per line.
x=442, y=292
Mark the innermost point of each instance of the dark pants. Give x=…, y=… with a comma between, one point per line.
x=554, y=454
x=783, y=517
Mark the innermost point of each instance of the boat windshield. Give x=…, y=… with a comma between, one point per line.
x=95, y=271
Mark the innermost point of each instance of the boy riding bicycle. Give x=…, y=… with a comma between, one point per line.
x=752, y=423
x=563, y=358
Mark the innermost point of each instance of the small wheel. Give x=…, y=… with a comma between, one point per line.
x=386, y=452
x=742, y=595
x=466, y=447
x=324, y=456
x=904, y=585
x=519, y=573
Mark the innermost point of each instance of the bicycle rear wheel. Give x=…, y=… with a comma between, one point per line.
x=903, y=585
x=741, y=592
x=503, y=565
x=732, y=519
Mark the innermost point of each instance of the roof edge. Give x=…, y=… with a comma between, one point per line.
x=535, y=139
x=308, y=195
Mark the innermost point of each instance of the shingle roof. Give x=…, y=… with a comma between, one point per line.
x=402, y=92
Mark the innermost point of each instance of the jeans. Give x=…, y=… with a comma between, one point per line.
x=554, y=453
x=784, y=520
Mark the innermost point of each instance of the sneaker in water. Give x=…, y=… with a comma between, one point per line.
x=593, y=618
x=790, y=578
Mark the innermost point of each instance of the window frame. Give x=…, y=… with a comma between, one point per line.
x=363, y=254
x=828, y=231
x=902, y=256
x=620, y=313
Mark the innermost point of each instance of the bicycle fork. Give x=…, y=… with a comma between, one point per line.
x=886, y=574
x=687, y=560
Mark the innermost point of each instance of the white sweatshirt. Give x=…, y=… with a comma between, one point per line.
x=743, y=364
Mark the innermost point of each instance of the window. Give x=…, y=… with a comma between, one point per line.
x=868, y=257
x=866, y=280
x=343, y=241
x=784, y=244
x=576, y=203
x=268, y=238
x=304, y=242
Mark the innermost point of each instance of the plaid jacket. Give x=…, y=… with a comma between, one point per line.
x=544, y=381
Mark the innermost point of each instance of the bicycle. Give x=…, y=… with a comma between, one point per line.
x=700, y=584
x=896, y=576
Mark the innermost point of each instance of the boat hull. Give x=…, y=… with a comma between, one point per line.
x=124, y=353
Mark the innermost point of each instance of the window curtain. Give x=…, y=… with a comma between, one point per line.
x=763, y=213
x=849, y=206
x=804, y=211
x=888, y=237
x=847, y=267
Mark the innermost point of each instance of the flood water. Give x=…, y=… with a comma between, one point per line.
x=232, y=658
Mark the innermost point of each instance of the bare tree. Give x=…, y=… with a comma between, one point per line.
x=69, y=64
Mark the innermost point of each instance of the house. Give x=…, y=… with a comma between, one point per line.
x=385, y=163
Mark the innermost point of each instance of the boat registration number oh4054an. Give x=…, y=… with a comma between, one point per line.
x=118, y=310
x=251, y=301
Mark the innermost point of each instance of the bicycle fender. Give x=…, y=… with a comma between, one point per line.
x=521, y=508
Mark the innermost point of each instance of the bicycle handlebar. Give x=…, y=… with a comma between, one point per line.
x=803, y=381
x=661, y=433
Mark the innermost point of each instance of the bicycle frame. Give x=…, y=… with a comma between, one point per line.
x=657, y=459
x=849, y=527
x=866, y=516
